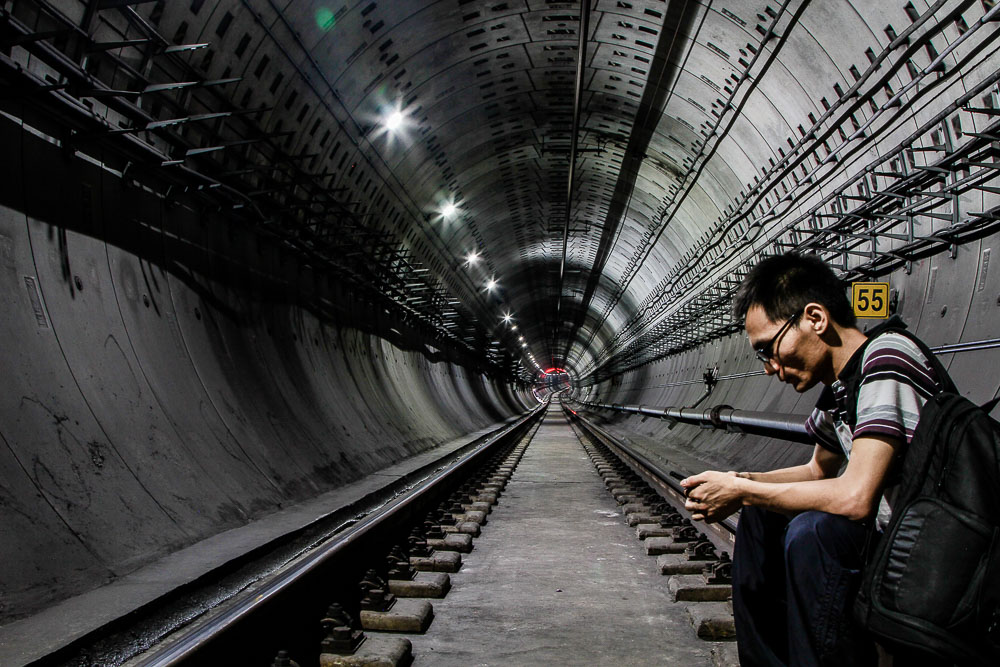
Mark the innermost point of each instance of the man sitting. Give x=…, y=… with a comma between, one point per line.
x=802, y=530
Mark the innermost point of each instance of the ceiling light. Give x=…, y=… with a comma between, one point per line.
x=449, y=210
x=394, y=121
x=472, y=258
x=491, y=283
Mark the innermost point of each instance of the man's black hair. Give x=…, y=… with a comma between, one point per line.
x=784, y=284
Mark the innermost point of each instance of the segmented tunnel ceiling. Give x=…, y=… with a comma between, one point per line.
x=709, y=132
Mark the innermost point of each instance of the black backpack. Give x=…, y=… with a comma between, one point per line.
x=932, y=582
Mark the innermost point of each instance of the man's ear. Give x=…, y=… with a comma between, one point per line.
x=817, y=317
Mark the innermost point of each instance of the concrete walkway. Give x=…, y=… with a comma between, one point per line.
x=557, y=578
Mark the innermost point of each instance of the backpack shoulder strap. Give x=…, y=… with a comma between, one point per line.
x=851, y=376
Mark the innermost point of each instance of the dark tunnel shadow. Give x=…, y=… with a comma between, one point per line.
x=188, y=241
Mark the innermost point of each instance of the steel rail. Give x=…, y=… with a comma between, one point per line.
x=396, y=509
x=723, y=531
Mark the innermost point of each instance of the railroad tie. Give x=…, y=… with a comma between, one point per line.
x=697, y=573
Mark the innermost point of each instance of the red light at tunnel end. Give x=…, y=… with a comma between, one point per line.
x=550, y=371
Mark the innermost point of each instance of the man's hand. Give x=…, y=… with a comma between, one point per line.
x=712, y=495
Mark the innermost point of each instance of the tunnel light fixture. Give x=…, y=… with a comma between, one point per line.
x=524, y=345
x=394, y=120
x=513, y=327
x=449, y=210
x=491, y=284
x=472, y=258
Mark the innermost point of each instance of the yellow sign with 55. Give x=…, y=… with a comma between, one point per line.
x=870, y=299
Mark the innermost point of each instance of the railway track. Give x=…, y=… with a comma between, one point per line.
x=697, y=562
x=377, y=592
x=329, y=606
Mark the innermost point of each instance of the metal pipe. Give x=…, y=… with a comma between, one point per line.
x=971, y=346
x=724, y=417
x=793, y=425
x=574, y=130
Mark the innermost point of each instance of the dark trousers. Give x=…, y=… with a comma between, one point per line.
x=794, y=581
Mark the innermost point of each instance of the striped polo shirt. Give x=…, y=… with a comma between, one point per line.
x=896, y=381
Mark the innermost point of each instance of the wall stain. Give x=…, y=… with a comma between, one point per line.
x=96, y=455
x=131, y=372
x=65, y=489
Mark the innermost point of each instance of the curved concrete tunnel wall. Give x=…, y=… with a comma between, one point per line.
x=944, y=299
x=147, y=406
x=158, y=401
x=963, y=307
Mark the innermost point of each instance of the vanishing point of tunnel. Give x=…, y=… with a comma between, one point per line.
x=254, y=253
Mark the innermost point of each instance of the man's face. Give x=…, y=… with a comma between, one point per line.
x=794, y=354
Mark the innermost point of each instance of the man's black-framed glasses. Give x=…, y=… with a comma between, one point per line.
x=766, y=351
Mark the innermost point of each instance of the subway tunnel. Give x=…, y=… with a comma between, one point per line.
x=254, y=252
